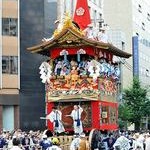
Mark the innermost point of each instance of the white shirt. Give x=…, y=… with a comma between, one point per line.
x=15, y=148
x=54, y=147
x=76, y=114
x=57, y=115
x=103, y=37
x=75, y=144
x=123, y=142
x=147, y=142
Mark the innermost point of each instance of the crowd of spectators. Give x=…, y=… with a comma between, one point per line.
x=39, y=140
x=24, y=140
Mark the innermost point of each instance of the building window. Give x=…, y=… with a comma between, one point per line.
x=140, y=8
x=147, y=73
x=9, y=26
x=10, y=64
x=95, y=17
x=148, y=16
x=100, y=3
x=143, y=25
x=137, y=34
x=101, y=21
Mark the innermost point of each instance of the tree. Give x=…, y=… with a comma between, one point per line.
x=136, y=102
x=125, y=114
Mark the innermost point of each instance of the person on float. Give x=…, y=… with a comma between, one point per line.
x=58, y=68
x=73, y=62
x=102, y=36
x=76, y=116
x=102, y=69
x=64, y=71
x=74, y=75
x=94, y=69
x=116, y=71
x=55, y=116
x=110, y=67
x=83, y=62
x=105, y=67
x=89, y=32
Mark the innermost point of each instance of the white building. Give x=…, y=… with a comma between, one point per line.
x=133, y=18
x=141, y=28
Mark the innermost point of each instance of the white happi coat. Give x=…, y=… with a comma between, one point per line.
x=76, y=114
x=54, y=147
x=147, y=142
x=75, y=144
x=56, y=115
x=123, y=143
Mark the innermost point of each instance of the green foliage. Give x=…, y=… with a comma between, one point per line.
x=124, y=115
x=136, y=104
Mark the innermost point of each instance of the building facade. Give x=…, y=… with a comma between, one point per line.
x=141, y=29
x=9, y=65
x=133, y=18
x=22, y=99
x=36, y=22
x=118, y=15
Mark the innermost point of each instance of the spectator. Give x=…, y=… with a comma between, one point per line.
x=16, y=143
x=75, y=142
x=55, y=145
x=83, y=143
x=3, y=142
x=45, y=143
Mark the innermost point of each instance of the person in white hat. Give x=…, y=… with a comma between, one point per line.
x=147, y=142
x=102, y=36
x=83, y=143
x=122, y=143
x=89, y=32
x=45, y=143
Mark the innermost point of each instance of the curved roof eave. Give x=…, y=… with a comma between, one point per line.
x=47, y=45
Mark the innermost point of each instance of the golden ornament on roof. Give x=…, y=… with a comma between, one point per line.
x=65, y=24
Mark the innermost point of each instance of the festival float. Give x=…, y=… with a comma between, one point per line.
x=81, y=71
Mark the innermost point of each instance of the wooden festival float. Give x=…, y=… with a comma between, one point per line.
x=91, y=87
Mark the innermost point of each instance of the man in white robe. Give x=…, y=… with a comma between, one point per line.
x=76, y=116
x=75, y=142
x=122, y=143
x=55, y=117
x=147, y=142
x=102, y=36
